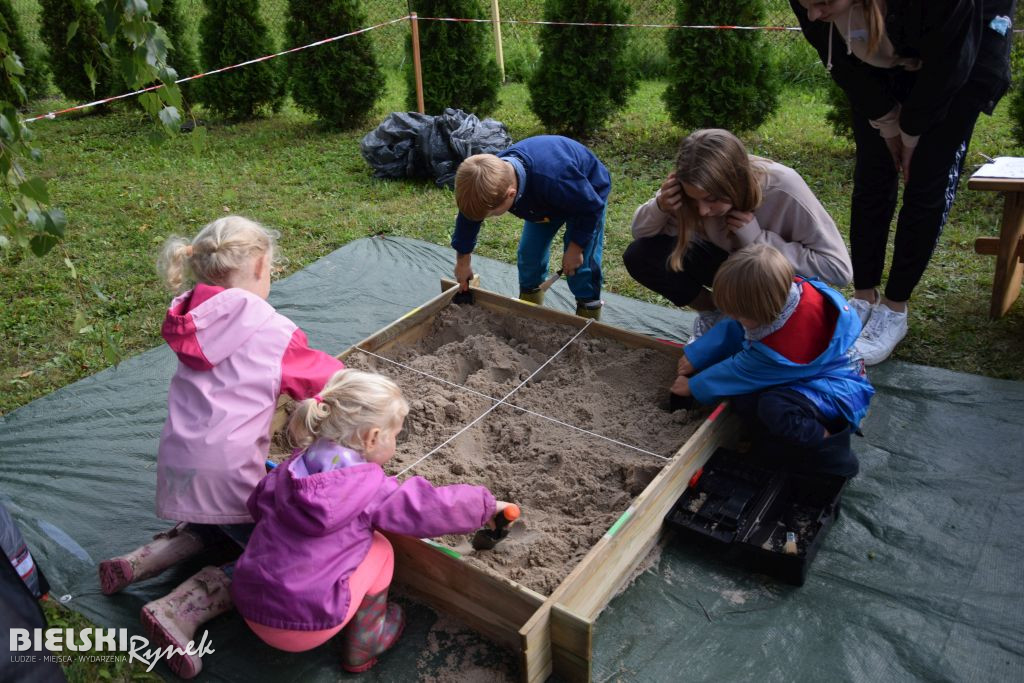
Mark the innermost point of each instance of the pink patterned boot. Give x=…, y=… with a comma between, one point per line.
x=375, y=627
x=173, y=619
x=167, y=549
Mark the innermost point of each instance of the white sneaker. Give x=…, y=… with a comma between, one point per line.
x=862, y=308
x=884, y=330
x=704, y=321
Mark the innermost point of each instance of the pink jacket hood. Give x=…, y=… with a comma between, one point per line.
x=203, y=329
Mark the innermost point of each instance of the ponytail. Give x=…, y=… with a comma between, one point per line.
x=876, y=24
x=222, y=248
x=173, y=263
x=351, y=404
x=304, y=427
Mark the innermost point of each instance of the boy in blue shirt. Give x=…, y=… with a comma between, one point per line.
x=785, y=357
x=548, y=181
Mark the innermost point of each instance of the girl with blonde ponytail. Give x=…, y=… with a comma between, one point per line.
x=236, y=356
x=317, y=561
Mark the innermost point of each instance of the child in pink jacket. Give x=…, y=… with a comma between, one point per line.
x=236, y=355
x=316, y=562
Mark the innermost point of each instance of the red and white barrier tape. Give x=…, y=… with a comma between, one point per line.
x=610, y=25
x=78, y=107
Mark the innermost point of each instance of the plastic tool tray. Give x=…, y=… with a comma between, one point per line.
x=749, y=510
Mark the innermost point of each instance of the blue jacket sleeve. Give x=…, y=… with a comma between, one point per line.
x=721, y=341
x=748, y=371
x=464, y=237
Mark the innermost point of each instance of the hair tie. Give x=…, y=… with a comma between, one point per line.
x=188, y=251
x=318, y=398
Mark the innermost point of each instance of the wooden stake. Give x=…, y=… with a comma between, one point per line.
x=496, y=22
x=416, y=61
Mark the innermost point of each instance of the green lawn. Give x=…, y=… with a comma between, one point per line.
x=124, y=198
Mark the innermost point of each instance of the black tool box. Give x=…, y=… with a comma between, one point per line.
x=750, y=512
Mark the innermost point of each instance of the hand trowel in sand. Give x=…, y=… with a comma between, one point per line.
x=486, y=539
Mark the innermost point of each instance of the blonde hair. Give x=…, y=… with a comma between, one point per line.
x=715, y=161
x=481, y=184
x=875, y=17
x=351, y=404
x=220, y=249
x=753, y=283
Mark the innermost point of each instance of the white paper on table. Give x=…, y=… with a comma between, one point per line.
x=1002, y=167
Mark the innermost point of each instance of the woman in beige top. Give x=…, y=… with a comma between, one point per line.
x=716, y=201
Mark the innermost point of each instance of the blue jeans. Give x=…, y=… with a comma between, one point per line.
x=535, y=251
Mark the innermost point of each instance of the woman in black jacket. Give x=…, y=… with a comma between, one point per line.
x=917, y=73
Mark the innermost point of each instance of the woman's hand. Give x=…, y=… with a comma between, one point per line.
x=670, y=200
x=684, y=367
x=736, y=219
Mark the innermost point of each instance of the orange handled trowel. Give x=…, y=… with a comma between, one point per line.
x=486, y=539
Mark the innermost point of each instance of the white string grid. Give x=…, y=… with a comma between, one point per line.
x=504, y=400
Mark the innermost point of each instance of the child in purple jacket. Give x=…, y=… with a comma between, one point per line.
x=316, y=562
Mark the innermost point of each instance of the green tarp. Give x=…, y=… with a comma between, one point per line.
x=919, y=579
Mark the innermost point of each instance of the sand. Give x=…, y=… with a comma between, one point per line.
x=570, y=483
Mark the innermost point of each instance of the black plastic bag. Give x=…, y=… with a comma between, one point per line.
x=413, y=145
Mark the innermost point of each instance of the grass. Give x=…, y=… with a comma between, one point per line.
x=124, y=199
x=78, y=664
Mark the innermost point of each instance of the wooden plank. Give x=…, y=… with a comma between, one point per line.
x=989, y=246
x=571, y=643
x=494, y=605
x=996, y=184
x=535, y=639
x=1009, y=270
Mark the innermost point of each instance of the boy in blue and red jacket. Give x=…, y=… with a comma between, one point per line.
x=548, y=181
x=785, y=357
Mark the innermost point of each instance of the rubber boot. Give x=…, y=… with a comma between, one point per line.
x=374, y=628
x=589, y=309
x=173, y=619
x=167, y=549
x=535, y=296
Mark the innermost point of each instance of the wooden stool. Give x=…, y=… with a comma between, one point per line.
x=1008, y=248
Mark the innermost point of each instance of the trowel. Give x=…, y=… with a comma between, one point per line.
x=546, y=285
x=486, y=539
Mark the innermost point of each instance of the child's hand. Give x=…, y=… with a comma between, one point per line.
x=735, y=219
x=671, y=198
x=684, y=367
x=572, y=259
x=681, y=387
x=499, y=507
x=463, y=270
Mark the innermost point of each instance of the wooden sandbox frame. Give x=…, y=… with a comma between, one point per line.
x=552, y=634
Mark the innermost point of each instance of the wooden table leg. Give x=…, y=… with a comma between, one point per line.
x=1009, y=269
